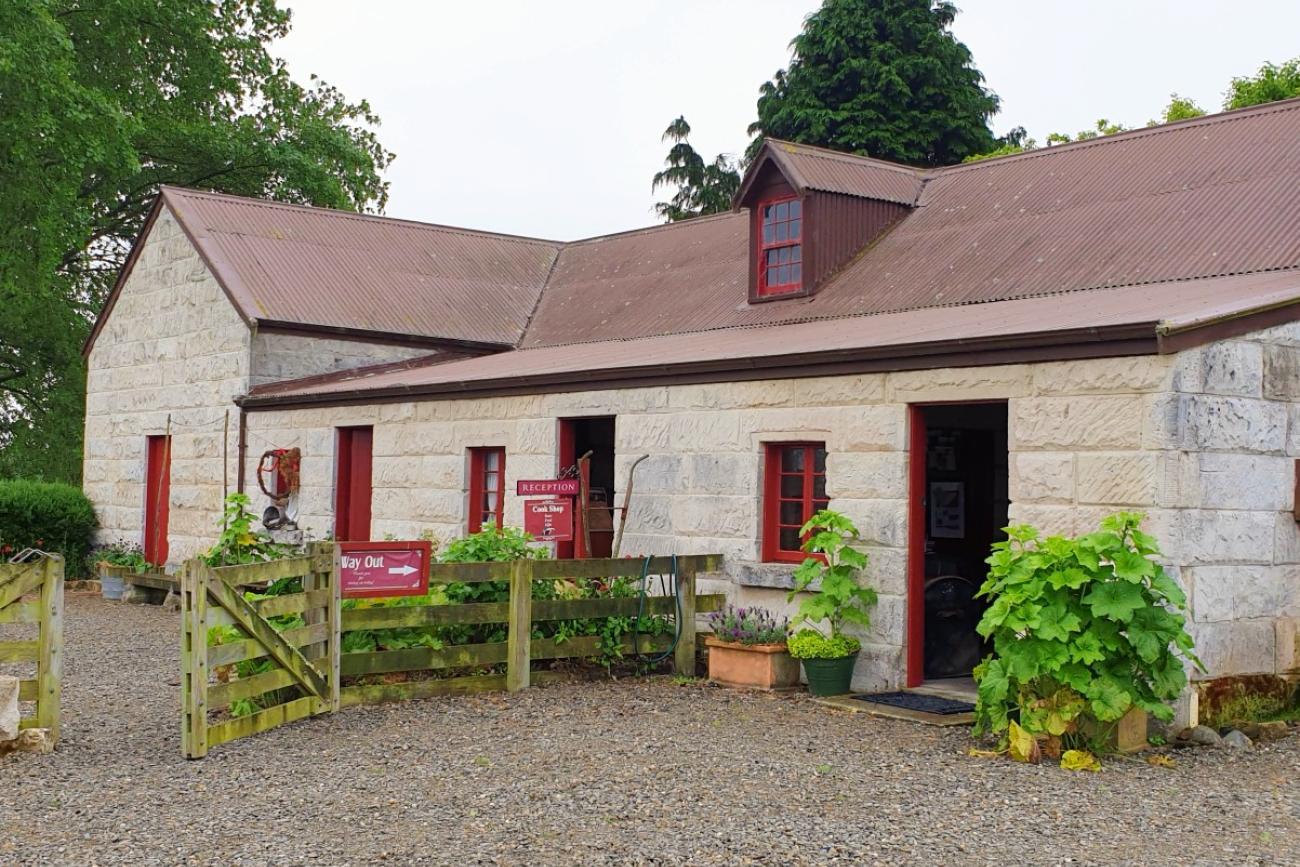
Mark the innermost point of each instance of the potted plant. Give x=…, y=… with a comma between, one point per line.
x=828, y=656
x=114, y=563
x=747, y=649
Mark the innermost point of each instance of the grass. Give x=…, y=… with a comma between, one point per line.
x=1247, y=706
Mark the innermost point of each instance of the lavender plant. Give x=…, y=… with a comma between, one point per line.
x=747, y=626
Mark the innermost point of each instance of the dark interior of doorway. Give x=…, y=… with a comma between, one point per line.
x=594, y=434
x=965, y=510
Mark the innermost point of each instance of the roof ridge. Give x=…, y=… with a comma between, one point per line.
x=799, y=320
x=848, y=157
x=1129, y=134
x=693, y=221
x=338, y=213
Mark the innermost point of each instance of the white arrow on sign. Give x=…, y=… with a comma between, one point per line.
x=401, y=570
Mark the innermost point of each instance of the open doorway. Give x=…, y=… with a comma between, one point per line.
x=578, y=437
x=958, y=509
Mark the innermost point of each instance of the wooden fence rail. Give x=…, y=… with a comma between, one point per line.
x=232, y=652
x=43, y=579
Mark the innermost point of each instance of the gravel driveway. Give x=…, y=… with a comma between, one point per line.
x=640, y=772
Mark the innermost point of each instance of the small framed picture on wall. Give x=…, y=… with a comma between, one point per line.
x=947, y=510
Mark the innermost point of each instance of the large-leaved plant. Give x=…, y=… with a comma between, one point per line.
x=841, y=599
x=1083, y=629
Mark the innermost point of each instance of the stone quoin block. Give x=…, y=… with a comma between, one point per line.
x=1235, y=424
x=1232, y=367
x=1235, y=481
x=1236, y=647
x=1282, y=372
x=1221, y=537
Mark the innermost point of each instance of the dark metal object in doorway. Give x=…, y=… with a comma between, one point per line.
x=915, y=701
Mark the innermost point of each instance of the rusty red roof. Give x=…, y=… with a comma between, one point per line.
x=1115, y=321
x=313, y=266
x=1166, y=209
x=814, y=168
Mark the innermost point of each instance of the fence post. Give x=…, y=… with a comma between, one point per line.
x=684, y=657
x=194, y=660
x=335, y=659
x=519, y=637
x=49, y=662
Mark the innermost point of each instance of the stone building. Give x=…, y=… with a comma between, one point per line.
x=1048, y=337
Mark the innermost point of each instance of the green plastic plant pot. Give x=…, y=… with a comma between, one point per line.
x=830, y=676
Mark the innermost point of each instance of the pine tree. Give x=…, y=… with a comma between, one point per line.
x=702, y=188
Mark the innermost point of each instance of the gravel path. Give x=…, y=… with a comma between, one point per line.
x=643, y=772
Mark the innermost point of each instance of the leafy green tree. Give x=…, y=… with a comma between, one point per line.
x=884, y=78
x=103, y=101
x=702, y=188
x=1179, y=108
x=1270, y=84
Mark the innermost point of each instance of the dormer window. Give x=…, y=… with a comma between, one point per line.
x=780, y=253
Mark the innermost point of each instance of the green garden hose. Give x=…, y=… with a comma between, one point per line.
x=640, y=612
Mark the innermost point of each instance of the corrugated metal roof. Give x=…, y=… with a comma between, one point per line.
x=1213, y=196
x=1208, y=197
x=313, y=266
x=1156, y=308
x=814, y=168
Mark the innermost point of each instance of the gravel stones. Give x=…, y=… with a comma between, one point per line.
x=608, y=773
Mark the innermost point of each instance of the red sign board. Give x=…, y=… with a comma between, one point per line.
x=547, y=487
x=369, y=569
x=549, y=520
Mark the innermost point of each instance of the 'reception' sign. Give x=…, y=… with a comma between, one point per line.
x=547, y=487
x=376, y=569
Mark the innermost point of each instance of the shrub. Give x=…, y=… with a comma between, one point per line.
x=1083, y=629
x=841, y=599
x=50, y=516
x=747, y=626
x=239, y=543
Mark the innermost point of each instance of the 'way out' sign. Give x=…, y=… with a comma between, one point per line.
x=370, y=569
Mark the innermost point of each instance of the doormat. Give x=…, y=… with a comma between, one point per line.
x=915, y=701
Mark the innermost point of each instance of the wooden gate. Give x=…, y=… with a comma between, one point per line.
x=31, y=594
x=256, y=651
x=232, y=651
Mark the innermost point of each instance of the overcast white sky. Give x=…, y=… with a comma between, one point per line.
x=544, y=118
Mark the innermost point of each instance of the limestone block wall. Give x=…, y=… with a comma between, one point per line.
x=173, y=344
x=1202, y=441
x=291, y=356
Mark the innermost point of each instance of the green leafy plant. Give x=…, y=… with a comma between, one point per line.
x=125, y=554
x=810, y=644
x=840, y=598
x=240, y=543
x=1082, y=629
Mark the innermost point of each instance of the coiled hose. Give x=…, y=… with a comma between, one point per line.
x=640, y=611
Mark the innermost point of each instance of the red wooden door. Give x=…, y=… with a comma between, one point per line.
x=916, y=532
x=352, y=485
x=157, y=497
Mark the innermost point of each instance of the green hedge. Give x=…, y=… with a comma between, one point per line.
x=47, y=515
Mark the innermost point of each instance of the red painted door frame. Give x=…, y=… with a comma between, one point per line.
x=157, y=498
x=916, y=522
x=352, y=484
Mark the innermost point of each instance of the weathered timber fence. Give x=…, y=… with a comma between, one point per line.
x=308, y=658
x=41, y=578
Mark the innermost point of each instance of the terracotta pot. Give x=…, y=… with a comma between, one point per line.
x=756, y=666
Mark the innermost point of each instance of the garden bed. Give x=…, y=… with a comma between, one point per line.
x=606, y=772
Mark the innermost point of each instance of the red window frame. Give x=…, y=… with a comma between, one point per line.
x=487, y=475
x=790, y=226
x=779, y=490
